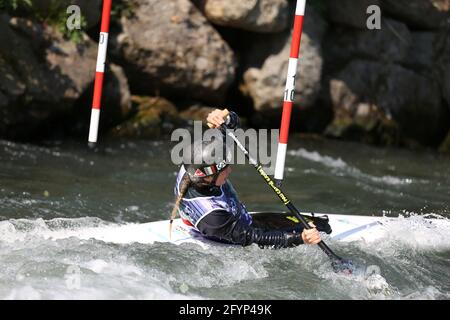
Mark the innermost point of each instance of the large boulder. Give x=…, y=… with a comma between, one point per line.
x=445, y=145
x=419, y=14
x=442, y=73
x=42, y=76
x=266, y=63
x=154, y=117
x=266, y=16
x=420, y=55
x=196, y=112
x=352, y=13
x=170, y=49
x=392, y=43
x=11, y=91
x=364, y=90
x=116, y=103
x=442, y=62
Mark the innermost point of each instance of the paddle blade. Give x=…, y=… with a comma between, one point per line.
x=343, y=266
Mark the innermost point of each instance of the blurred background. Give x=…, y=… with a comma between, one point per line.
x=169, y=62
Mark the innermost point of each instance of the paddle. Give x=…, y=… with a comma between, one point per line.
x=339, y=264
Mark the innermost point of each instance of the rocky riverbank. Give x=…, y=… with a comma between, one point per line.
x=170, y=61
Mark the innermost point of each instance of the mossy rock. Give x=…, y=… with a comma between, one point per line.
x=196, y=113
x=153, y=118
x=445, y=146
x=371, y=126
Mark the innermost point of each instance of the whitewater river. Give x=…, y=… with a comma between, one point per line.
x=62, y=187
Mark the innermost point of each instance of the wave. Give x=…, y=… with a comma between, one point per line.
x=340, y=167
x=117, y=262
x=416, y=232
x=31, y=152
x=62, y=228
x=428, y=231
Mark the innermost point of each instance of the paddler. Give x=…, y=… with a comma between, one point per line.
x=207, y=201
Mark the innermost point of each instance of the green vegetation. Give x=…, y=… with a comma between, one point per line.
x=121, y=8
x=54, y=15
x=12, y=5
x=57, y=17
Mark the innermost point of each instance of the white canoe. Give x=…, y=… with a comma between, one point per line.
x=345, y=228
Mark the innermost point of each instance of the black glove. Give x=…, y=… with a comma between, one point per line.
x=232, y=120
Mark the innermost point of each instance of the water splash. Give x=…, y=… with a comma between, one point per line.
x=340, y=167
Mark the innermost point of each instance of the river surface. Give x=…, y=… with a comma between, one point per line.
x=64, y=186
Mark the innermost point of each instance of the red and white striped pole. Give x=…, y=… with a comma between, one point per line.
x=100, y=70
x=289, y=90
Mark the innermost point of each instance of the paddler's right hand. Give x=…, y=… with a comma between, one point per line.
x=311, y=236
x=218, y=117
x=215, y=118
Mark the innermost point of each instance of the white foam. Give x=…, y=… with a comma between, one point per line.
x=97, y=289
x=317, y=157
x=112, y=268
x=418, y=232
x=26, y=292
x=415, y=231
x=107, y=273
x=341, y=167
x=359, y=285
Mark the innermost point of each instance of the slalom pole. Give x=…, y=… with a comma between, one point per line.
x=99, y=73
x=289, y=91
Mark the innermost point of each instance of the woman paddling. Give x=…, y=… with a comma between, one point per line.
x=207, y=201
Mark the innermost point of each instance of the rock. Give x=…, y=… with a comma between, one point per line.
x=266, y=66
x=415, y=103
x=445, y=84
x=11, y=91
x=196, y=113
x=43, y=77
x=421, y=53
x=155, y=116
x=392, y=43
x=116, y=97
x=170, y=48
x=9, y=83
x=356, y=115
x=442, y=62
x=386, y=92
x=352, y=13
x=40, y=87
x=115, y=105
x=445, y=145
x=121, y=91
x=265, y=16
x=420, y=14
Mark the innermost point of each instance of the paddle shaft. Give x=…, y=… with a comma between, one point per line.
x=280, y=193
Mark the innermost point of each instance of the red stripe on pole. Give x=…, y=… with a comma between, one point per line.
x=96, y=101
x=105, y=16
x=296, y=36
x=285, y=120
